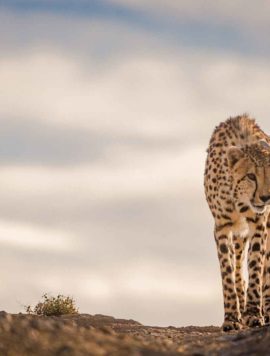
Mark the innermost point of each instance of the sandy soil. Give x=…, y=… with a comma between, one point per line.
x=84, y=334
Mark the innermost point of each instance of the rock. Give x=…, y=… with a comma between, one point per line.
x=106, y=330
x=5, y=316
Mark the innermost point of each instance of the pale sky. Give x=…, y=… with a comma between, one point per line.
x=106, y=110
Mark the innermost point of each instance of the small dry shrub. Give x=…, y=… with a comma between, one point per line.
x=53, y=306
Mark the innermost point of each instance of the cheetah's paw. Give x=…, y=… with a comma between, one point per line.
x=253, y=321
x=229, y=325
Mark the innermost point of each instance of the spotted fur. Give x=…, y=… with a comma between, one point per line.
x=237, y=188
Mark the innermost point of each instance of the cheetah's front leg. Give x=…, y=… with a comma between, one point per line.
x=227, y=266
x=256, y=253
x=239, y=251
x=266, y=278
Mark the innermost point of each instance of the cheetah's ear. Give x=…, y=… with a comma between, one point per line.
x=234, y=155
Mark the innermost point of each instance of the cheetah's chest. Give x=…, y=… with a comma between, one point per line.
x=241, y=227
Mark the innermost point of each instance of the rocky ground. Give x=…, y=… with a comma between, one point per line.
x=84, y=334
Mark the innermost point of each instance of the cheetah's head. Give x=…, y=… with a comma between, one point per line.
x=250, y=172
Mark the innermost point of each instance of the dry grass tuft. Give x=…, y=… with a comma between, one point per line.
x=53, y=306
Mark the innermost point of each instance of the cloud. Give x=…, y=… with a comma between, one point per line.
x=27, y=236
x=99, y=25
x=141, y=294
x=127, y=176
x=202, y=11
x=158, y=92
x=97, y=38
x=129, y=291
x=129, y=96
x=127, y=224
x=222, y=12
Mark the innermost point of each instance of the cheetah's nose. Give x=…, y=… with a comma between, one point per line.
x=265, y=198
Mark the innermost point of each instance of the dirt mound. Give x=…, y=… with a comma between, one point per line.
x=84, y=334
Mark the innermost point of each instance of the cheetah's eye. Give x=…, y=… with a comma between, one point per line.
x=251, y=176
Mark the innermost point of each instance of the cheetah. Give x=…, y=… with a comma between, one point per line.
x=237, y=189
